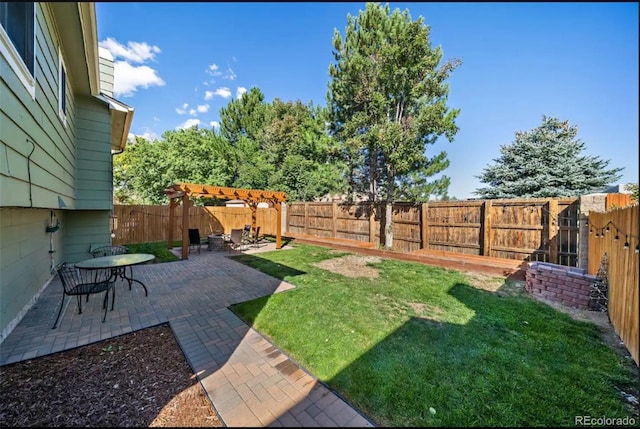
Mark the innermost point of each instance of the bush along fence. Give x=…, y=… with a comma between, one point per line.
x=524, y=229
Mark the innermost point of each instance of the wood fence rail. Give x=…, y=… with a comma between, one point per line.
x=615, y=233
x=523, y=229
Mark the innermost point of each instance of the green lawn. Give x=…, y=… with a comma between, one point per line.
x=421, y=346
x=159, y=249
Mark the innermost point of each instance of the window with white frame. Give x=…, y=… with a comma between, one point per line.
x=17, y=40
x=62, y=89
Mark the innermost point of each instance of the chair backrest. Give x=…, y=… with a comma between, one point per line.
x=236, y=236
x=194, y=236
x=76, y=281
x=109, y=250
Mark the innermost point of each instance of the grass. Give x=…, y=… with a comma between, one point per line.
x=421, y=346
x=159, y=249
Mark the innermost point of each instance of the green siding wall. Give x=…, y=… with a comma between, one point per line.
x=94, y=168
x=106, y=76
x=34, y=127
x=43, y=161
x=85, y=228
x=25, y=260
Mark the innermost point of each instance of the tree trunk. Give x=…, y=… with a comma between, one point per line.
x=388, y=227
x=388, y=218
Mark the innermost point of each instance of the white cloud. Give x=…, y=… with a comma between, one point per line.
x=203, y=108
x=183, y=110
x=231, y=75
x=208, y=95
x=193, y=112
x=128, y=78
x=191, y=122
x=213, y=70
x=223, y=92
x=129, y=72
x=214, y=124
x=134, y=52
x=147, y=135
x=241, y=90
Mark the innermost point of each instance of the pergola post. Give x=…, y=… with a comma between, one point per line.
x=254, y=220
x=172, y=222
x=185, y=226
x=279, y=225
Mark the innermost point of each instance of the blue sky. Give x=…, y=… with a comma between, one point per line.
x=177, y=64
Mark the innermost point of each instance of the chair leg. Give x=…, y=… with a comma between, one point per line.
x=106, y=300
x=79, y=303
x=113, y=297
x=59, y=312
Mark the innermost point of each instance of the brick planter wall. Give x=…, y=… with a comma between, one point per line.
x=565, y=285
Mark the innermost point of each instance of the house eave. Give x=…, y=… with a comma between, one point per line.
x=121, y=117
x=87, y=13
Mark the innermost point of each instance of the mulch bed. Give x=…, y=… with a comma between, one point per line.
x=138, y=379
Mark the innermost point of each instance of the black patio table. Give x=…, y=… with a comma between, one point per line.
x=117, y=263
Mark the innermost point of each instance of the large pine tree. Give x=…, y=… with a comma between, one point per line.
x=545, y=162
x=388, y=100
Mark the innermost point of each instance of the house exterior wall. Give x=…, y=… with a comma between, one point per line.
x=106, y=72
x=94, y=168
x=26, y=261
x=46, y=166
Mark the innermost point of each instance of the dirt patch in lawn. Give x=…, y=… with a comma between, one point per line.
x=351, y=266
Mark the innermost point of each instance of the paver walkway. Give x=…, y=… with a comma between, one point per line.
x=249, y=381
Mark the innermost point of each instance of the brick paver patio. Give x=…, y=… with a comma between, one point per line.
x=249, y=381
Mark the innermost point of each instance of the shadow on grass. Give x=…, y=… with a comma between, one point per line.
x=274, y=269
x=508, y=365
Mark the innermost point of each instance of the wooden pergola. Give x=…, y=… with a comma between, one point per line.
x=182, y=191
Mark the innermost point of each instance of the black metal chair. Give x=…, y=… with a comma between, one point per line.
x=256, y=238
x=114, y=250
x=77, y=282
x=194, y=239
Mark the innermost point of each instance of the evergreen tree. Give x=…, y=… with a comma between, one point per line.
x=388, y=102
x=544, y=163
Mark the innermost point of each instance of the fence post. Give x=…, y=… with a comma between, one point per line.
x=334, y=214
x=485, y=228
x=424, y=232
x=552, y=228
x=306, y=218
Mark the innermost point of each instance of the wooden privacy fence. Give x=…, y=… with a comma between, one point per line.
x=616, y=234
x=146, y=224
x=524, y=229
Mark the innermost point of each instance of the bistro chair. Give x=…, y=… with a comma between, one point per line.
x=77, y=282
x=256, y=238
x=114, y=250
x=194, y=239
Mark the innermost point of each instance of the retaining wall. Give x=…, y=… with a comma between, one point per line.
x=566, y=285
